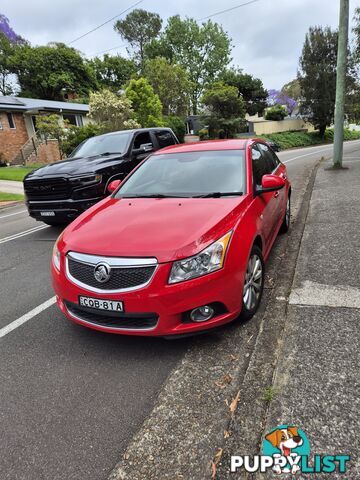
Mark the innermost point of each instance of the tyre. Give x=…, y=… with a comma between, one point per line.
x=286, y=221
x=253, y=284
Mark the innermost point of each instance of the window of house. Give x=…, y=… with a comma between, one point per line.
x=11, y=120
x=73, y=119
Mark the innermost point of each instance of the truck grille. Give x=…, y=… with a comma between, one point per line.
x=121, y=277
x=47, y=188
x=130, y=321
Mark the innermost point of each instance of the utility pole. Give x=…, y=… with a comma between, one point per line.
x=340, y=83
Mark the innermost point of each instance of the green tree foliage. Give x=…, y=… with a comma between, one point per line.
x=44, y=72
x=112, y=111
x=202, y=50
x=177, y=125
x=53, y=127
x=356, y=31
x=277, y=112
x=145, y=102
x=138, y=28
x=171, y=83
x=249, y=88
x=226, y=110
x=317, y=76
x=112, y=72
x=6, y=49
x=292, y=89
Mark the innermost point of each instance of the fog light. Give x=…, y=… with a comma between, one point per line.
x=202, y=314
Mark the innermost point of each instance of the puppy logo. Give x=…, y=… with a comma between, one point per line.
x=286, y=444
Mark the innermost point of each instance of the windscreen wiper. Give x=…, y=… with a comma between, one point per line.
x=218, y=194
x=105, y=154
x=153, y=195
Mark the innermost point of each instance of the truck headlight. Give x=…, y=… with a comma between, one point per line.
x=209, y=260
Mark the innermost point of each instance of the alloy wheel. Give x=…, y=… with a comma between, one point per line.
x=253, y=282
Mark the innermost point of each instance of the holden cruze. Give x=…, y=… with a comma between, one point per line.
x=179, y=246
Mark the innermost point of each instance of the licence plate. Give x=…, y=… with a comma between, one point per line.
x=47, y=214
x=109, y=305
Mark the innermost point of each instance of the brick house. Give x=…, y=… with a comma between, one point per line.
x=18, y=140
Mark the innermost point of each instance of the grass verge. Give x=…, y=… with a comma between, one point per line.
x=16, y=173
x=10, y=197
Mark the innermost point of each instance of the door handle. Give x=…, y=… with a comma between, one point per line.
x=276, y=194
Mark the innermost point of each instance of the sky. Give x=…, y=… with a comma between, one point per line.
x=267, y=35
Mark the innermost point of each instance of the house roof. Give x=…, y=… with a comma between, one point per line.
x=21, y=104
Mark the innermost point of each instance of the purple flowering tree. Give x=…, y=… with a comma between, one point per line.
x=7, y=30
x=276, y=97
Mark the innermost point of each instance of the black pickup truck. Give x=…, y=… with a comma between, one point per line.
x=59, y=192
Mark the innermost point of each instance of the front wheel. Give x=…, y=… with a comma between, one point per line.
x=286, y=221
x=253, y=284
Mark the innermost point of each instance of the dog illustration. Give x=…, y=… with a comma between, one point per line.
x=285, y=439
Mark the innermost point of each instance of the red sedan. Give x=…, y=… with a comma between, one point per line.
x=180, y=244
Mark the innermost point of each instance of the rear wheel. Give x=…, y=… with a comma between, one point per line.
x=253, y=284
x=286, y=222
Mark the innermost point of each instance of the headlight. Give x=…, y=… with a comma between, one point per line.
x=209, y=260
x=86, y=180
x=56, y=255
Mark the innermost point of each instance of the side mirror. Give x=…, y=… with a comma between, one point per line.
x=270, y=183
x=143, y=149
x=113, y=186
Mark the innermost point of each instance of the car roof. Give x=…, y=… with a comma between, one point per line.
x=233, y=144
x=136, y=130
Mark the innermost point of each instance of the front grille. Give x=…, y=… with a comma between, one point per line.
x=133, y=321
x=47, y=188
x=120, y=278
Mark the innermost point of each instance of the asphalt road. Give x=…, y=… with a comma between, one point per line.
x=71, y=398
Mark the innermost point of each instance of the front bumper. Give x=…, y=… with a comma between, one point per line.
x=64, y=210
x=165, y=304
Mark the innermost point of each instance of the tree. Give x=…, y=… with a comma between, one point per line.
x=112, y=111
x=317, y=76
x=202, y=50
x=277, y=97
x=138, y=28
x=171, y=83
x=9, y=33
x=6, y=49
x=145, y=102
x=112, y=72
x=292, y=89
x=53, y=127
x=249, y=88
x=48, y=71
x=277, y=112
x=226, y=110
x=356, y=31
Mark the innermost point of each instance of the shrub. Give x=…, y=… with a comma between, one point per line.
x=277, y=112
x=177, y=124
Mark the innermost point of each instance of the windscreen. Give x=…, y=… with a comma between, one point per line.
x=103, y=145
x=188, y=174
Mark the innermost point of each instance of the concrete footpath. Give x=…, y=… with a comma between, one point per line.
x=316, y=381
x=10, y=186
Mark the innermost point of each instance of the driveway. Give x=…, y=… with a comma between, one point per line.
x=9, y=186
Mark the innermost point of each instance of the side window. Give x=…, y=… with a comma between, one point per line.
x=165, y=138
x=141, y=139
x=259, y=165
x=270, y=157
